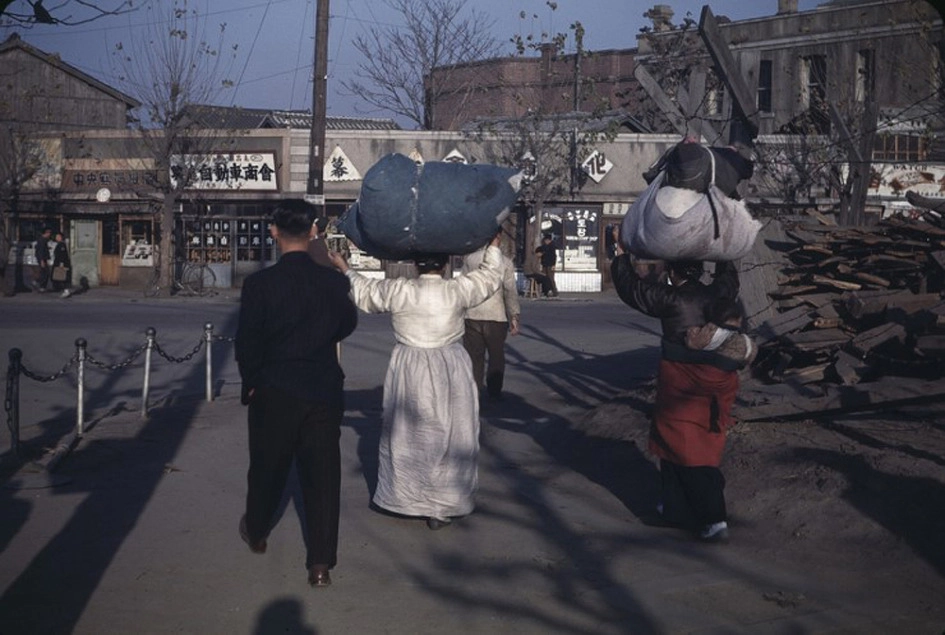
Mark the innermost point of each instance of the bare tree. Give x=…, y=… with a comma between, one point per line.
x=548, y=146
x=394, y=74
x=175, y=67
x=30, y=12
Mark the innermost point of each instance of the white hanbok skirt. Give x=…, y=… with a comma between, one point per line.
x=429, y=447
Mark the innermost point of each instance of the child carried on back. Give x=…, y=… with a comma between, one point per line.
x=722, y=333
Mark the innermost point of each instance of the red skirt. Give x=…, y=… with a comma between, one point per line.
x=693, y=413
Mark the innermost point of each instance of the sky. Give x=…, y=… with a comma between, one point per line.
x=275, y=38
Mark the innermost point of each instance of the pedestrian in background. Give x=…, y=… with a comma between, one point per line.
x=548, y=257
x=488, y=324
x=429, y=449
x=292, y=315
x=61, y=258
x=41, y=252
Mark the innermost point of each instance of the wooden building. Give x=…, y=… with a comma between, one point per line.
x=40, y=92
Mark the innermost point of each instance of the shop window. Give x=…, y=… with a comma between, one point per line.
x=253, y=241
x=137, y=241
x=765, y=82
x=899, y=147
x=208, y=240
x=32, y=229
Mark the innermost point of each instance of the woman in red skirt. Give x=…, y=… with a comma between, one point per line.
x=695, y=390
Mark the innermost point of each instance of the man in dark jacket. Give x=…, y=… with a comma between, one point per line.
x=548, y=257
x=42, y=259
x=292, y=315
x=695, y=390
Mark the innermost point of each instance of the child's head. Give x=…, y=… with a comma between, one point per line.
x=724, y=312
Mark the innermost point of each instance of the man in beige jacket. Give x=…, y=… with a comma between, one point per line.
x=487, y=326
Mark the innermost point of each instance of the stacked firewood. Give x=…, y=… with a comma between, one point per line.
x=855, y=304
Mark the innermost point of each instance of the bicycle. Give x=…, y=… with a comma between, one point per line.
x=190, y=279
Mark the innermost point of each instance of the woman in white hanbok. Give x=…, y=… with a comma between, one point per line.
x=429, y=445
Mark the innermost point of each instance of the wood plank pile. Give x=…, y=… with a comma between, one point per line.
x=853, y=307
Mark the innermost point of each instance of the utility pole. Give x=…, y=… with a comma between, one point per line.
x=315, y=187
x=573, y=182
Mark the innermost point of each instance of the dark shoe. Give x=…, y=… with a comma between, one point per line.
x=259, y=547
x=438, y=523
x=318, y=575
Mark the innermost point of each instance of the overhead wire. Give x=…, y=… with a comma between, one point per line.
x=298, y=57
x=249, y=55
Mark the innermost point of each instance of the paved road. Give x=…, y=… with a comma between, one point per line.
x=138, y=533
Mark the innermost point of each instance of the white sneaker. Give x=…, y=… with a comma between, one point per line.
x=716, y=532
x=65, y=294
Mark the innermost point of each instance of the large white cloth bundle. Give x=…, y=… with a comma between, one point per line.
x=670, y=223
x=407, y=208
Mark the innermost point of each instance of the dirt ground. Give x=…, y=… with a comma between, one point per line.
x=859, y=500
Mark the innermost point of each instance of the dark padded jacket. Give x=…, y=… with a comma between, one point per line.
x=678, y=308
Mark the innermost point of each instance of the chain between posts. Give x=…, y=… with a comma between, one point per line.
x=62, y=371
x=119, y=365
x=16, y=369
x=178, y=360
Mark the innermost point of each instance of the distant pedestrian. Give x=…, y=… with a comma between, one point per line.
x=292, y=315
x=487, y=326
x=41, y=252
x=548, y=257
x=62, y=278
x=429, y=449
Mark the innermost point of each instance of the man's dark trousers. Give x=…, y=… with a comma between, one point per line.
x=487, y=336
x=283, y=428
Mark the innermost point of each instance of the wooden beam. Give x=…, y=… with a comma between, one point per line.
x=866, y=341
x=697, y=126
x=848, y=368
x=817, y=340
x=837, y=284
x=793, y=320
x=743, y=99
x=665, y=104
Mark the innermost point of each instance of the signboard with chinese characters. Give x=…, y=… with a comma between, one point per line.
x=581, y=238
x=339, y=167
x=253, y=171
x=597, y=166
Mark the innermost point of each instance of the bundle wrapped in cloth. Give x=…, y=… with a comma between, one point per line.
x=407, y=209
x=684, y=214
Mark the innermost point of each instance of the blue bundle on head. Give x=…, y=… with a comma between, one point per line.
x=406, y=208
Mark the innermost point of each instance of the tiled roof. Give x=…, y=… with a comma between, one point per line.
x=252, y=118
x=617, y=120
